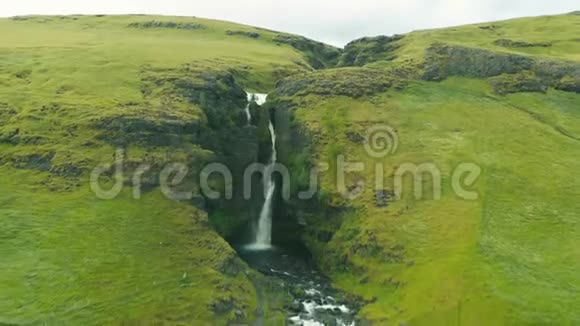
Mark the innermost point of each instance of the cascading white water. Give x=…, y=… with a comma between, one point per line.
x=264, y=232
x=263, y=239
x=259, y=98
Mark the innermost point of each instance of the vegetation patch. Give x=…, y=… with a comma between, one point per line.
x=569, y=84
x=521, y=82
x=6, y=112
x=369, y=49
x=318, y=54
x=522, y=73
x=489, y=27
x=444, y=60
x=161, y=24
x=243, y=33
x=351, y=82
x=520, y=44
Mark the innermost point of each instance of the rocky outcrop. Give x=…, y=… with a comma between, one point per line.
x=443, y=60
x=369, y=49
x=520, y=44
x=173, y=25
x=521, y=82
x=349, y=82
x=517, y=73
x=243, y=33
x=317, y=54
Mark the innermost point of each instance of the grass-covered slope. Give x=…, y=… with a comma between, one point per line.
x=549, y=37
x=75, y=89
x=510, y=256
x=501, y=95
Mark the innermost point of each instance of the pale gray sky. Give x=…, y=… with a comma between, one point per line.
x=332, y=21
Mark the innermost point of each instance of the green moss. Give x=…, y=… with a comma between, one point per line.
x=369, y=50
x=78, y=259
x=523, y=82
x=426, y=261
x=445, y=60
x=74, y=90
x=318, y=55
x=520, y=44
x=351, y=82
x=569, y=84
x=157, y=24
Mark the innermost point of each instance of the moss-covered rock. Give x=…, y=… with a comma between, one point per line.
x=318, y=54
x=522, y=82
x=569, y=84
x=517, y=73
x=520, y=44
x=444, y=60
x=243, y=33
x=165, y=24
x=351, y=82
x=369, y=49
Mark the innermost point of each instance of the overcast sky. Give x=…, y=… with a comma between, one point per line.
x=333, y=21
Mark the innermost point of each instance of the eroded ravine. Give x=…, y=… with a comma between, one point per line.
x=313, y=301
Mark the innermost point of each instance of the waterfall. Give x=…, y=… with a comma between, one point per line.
x=264, y=232
x=263, y=239
x=259, y=98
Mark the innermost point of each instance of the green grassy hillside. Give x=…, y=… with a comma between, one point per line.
x=508, y=257
x=75, y=89
x=164, y=89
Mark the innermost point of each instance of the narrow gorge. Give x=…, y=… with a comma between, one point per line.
x=311, y=301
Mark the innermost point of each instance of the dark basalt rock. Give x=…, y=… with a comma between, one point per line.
x=569, y=84
x=296, y=307
x=145, y=130
x=355, y=137
x=239, y=314
x=349, y=82
x=369, y=49
x=489, y=27
x=66, y=170
x=384, y=197
x=216, y=92
x=21, y=18
x=34, y=161
x=158, y=24
x=553, y=71
x=324, y=236
x=222, y=306
x=7, y=112
x=520, y=44
x=523, y=82
x=444, y=60
x=23, y=74
x=517, y=73
x=232, y=266
x=243, y=33
x=318, y=54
